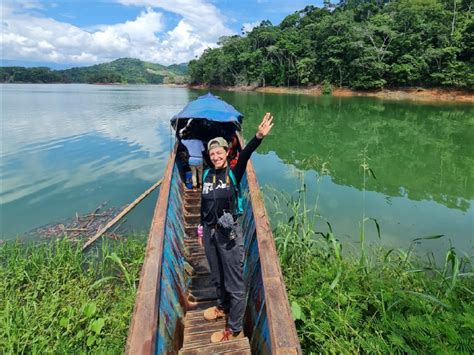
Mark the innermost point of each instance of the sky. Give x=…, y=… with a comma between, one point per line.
x=69, y=33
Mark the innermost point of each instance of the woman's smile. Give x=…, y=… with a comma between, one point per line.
x=218, y=157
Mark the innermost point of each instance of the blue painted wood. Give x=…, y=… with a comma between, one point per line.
x=172, y=284
x=255, y=320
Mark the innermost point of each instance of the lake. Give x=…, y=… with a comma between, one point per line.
x=69, y=148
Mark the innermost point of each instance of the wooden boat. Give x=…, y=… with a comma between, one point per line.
x=175, y=285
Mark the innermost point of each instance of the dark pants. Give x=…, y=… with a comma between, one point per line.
x=225, y=259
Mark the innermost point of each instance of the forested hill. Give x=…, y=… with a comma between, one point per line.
x=124, y=70
x=362, y=44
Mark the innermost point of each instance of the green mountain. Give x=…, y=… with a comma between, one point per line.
x=179, y=68
x=123, y=70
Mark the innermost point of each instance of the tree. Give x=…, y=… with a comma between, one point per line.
x=358, y=43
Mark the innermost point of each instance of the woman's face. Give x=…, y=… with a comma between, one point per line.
x=218, y=157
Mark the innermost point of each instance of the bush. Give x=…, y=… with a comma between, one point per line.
x=326, y=88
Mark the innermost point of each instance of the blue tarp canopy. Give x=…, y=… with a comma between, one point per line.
x=211, y=108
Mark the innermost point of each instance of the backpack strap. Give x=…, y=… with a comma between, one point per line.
x=240, y=197
x=204, y=175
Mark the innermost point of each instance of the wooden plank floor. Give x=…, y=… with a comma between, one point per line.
x=197, y=331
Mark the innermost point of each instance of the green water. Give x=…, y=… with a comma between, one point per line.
x=68, y=148
x=422, y=157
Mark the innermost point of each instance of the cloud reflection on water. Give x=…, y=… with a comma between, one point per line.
x=61, y=138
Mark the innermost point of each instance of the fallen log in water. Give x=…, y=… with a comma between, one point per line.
x=92, y=225
x=121, y=215
x=81, y=226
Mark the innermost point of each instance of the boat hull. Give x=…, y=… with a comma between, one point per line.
x=164, y=296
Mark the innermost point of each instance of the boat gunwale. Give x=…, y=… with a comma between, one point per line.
x=141, y=337
x=283, y=336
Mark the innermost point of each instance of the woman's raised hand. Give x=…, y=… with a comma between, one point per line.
x=266, y=125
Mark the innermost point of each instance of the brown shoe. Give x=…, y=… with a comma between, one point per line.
x=213, y=313
x=225, y=335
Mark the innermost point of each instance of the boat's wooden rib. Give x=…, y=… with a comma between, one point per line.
x=175, y=287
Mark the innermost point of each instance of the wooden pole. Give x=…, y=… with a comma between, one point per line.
x=121, y=214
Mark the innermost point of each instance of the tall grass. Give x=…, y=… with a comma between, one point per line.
x=55, y=299
x=375, y=300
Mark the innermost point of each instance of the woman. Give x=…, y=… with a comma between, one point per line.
x=223, y=243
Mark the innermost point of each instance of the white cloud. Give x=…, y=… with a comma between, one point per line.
x=249, y=26
x=204, y=18
x=200, y=27
x=27, y=35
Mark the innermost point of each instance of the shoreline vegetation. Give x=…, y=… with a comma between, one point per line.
x=370, y=47
x=370, y=299
x=54, y=298
x=415, y=93
x=428, y=95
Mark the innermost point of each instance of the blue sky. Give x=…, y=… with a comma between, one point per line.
x=82, y=32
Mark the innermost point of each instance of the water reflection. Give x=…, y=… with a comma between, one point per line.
x=422, y=152
x=68, y=148
x=33, y=116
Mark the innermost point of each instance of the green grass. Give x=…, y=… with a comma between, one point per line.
x=373, y=300
x=55, y=299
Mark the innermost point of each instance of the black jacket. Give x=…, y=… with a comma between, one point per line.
x=218, y=192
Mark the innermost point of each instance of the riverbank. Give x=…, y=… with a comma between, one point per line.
x=56, y=299
x=415, y=94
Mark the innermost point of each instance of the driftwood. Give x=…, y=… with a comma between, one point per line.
x=79, y=226
x=89, y=225
x=121, y=215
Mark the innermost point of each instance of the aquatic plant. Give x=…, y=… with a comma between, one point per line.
x=56, y=299
x=375, y=300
